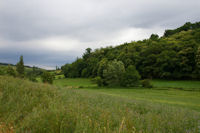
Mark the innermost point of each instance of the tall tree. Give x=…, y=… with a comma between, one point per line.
x=20, y=67
x=87, y=53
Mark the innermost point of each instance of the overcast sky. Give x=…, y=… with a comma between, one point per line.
x=54, y=32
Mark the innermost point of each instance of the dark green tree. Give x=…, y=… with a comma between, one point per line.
x=20, y=67
x=154, y=37
x=87, y=53
x=112, y=74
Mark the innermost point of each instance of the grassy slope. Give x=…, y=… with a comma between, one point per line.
x=41, y=108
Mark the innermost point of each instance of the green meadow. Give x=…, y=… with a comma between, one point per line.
x=184, y=94
x=78, y=105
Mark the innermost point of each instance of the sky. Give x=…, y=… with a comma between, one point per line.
x=50, y=33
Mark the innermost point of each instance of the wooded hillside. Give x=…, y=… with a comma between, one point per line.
x=175, y=55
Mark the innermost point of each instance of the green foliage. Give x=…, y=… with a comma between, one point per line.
x=20, y=67
x=32, y=78
x=154, y=37
x=187, y=26
x=103, y=64
x=173, y=56
x=146, y=83
x=87, y=53
x=3, y=70
x=47, y=77
x=113, y=73
x=98, y=81
x=33, y=74
x=74, y=70
x=11, y=71
x=198, y=59
x=131, y=77
x=84, y=73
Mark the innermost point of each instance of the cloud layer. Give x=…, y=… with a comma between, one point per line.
x=54, y=32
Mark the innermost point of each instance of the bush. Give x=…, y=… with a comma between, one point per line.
x=98, y=81
x=131, y=77
x=47, y=77
x=2, y=71
x=11, y=71
x=147, y=83
x=32, y=78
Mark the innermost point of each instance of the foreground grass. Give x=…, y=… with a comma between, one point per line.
x=41, y=108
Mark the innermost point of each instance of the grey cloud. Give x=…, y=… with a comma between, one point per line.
x=87, y=21
x=42, y=57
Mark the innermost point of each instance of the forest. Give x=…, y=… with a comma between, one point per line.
x=175, y=55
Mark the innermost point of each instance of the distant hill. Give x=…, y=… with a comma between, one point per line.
x=175, y=55
x=6, y=64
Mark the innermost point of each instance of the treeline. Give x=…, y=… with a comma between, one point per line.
x=8, y=64
x=176, y=55
x=21, y=71
x=187, y=26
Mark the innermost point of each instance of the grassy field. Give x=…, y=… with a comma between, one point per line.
x=76, y=82
x=43, y=108
x=165, y=92
x=184, y=84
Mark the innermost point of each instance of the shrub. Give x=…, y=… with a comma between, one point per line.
x=47, y=77
x=11, y=71
x=2, y=71
x=32, y=78
x=147, y=83
x=131, y=77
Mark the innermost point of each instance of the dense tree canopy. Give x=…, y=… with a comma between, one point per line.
x=173, y=56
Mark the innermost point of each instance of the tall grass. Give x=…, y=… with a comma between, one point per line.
x=41, y=108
